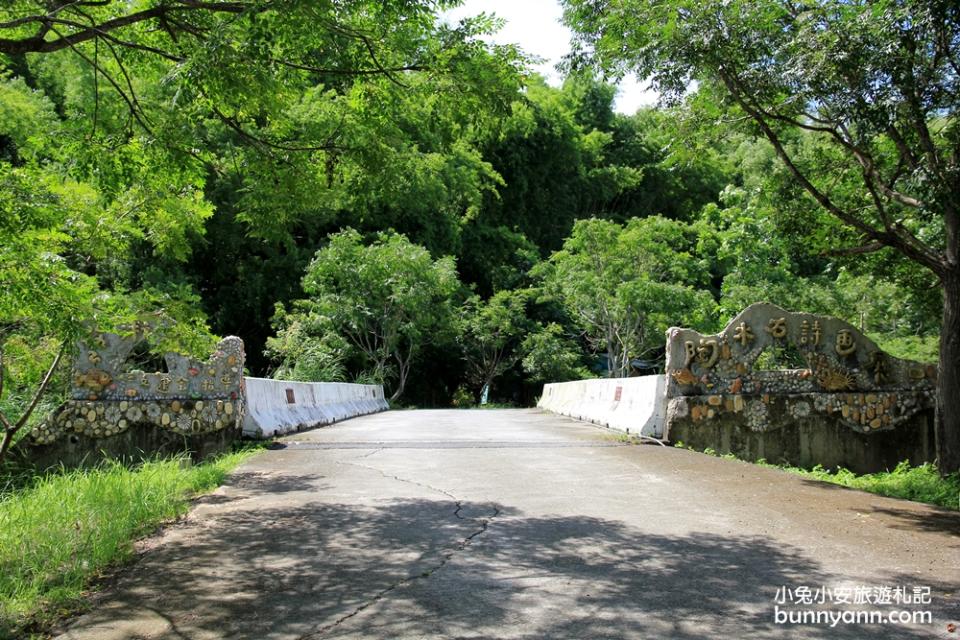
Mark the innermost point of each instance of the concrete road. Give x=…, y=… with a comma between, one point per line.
x=520, y=524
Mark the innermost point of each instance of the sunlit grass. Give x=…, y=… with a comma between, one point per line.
x=59, y=531
x=922, y=483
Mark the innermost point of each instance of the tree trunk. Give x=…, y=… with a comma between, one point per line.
x=948, y=380
x=401, y=384
x=7, y=441
x=396, y=394
x=487, y=384
x=611, y=359
x=10, y=430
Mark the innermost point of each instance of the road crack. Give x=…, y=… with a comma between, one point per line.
x=445, y=556
x=389, y=476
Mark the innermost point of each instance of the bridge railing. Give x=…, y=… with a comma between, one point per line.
x=634, y=405
x=276, y=407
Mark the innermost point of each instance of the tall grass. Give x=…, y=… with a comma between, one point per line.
x=920, y=484
x=60, y=531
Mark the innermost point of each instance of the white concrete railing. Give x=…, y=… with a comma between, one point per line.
x=275, y=407
x=637, y=405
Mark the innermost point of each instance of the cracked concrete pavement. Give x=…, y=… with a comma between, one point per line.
x=516, y=524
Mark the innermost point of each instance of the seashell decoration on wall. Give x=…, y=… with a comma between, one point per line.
x=190, y=398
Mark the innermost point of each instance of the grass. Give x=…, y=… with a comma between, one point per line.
x=922, y=483
x=61, y=531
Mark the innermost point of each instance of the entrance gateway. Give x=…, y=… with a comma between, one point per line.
x=844, y=402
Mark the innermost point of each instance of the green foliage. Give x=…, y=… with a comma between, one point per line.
x=674, y=183
x=62, y=530
x=385, y=299
x=307, y=348
x=555, y=165
x=463, y=398
x=920, y=348
x=625, y=285
x=551, y=356
x=922, y=483
x=37, y=215
x=489, y=333
x=495, y=258
x=758, y=262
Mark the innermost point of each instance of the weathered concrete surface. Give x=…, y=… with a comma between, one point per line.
x=633, y=405
x=276, y=407
x=516, y=524
x=810, y=441
x=838, y=386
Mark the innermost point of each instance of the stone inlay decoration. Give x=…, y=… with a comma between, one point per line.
x=845, y=375
x=190, y=398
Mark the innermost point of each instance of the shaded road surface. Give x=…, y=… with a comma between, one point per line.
x=517, y=524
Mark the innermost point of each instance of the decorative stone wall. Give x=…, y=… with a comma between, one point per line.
x=848, y=387
x=192, y=403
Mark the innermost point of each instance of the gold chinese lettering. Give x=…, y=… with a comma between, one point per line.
x=743, y=334
x=707, y=353
x=777, y=327
x=878, y=367
x=845, y=343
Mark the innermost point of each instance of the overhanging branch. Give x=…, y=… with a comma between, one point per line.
x=39, y=44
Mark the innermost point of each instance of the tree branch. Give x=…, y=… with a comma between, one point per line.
x=42, y=388
x=38, y=44
x=235, y=126
x=350, y=72
x=893, y=237
x=1, y=371
x=871, y=247
x=11, y=430
x=130, y=104
x=841, y=136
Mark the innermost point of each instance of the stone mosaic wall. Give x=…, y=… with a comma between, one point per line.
x=845, y=403
x=191, y=398
x=846, y=377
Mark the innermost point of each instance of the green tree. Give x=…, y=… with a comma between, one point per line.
x=53, y=236
x=386, y=299
x=756, y=261
x=625, y=285
x=307, y=348
x=552, y=356
x=231, y=137
x=489, y=333
x=673, y=184
x=875, y=81
x=555, y=169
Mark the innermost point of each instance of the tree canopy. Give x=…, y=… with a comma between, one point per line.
x=858, y=100
x=386, y=299
x=625, y=285
x=367, y=191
